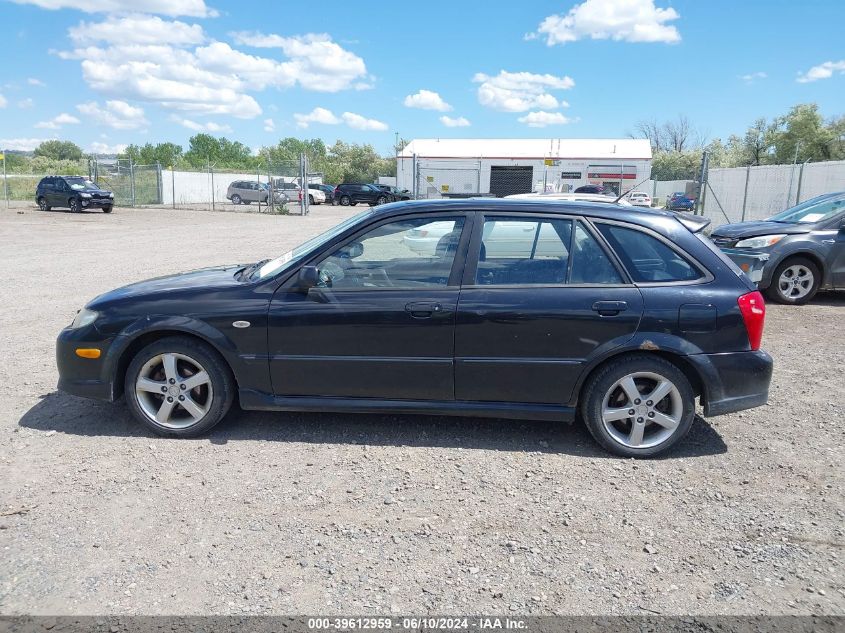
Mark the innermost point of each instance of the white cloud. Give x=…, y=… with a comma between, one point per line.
x=269, y=125
x=137, y=29
x=209, y=126
x=57, y=122
x=26, y=104
x=116, y=114
x=518, y=92
x=193, y=8
x=21, y=144
x=3, y=101
x=103, y=148
x=315, y=61
x=543, y=119
x=454, y=122
x=317, y=115
x=822, y=71
x=327, y=117
x=621, y=20
x=427, y=100
x=362, y=123
x=750, y=77
x=32, y=81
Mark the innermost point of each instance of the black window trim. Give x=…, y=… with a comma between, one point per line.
x=706, y=275
x=471, y=267
x=458, y=263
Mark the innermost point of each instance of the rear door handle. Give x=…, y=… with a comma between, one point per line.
x=423, y=309
x=610, y=308
x=828, y=241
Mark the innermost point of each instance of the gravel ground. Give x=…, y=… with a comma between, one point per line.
x=373, y=514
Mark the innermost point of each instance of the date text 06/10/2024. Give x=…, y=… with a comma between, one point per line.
x=416, y=623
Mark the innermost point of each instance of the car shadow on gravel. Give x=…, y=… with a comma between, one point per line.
x=77, y=416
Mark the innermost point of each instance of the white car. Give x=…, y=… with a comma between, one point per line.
x=639, y=199
x=294, y=192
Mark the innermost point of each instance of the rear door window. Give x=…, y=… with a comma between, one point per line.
x=648, y=259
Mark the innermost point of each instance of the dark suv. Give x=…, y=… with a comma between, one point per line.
x=524, y=309
x=72, y=192
x=350, y=193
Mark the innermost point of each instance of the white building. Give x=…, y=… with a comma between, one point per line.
x=433, y=167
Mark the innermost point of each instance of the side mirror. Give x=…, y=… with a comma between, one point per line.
x=308, y=278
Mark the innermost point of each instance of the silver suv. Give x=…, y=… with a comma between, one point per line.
x=247, y=191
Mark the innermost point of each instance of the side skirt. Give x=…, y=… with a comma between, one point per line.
x=259, y=401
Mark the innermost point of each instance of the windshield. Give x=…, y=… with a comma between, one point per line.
x=78, y=184
x=813, y=210
x=275, y=266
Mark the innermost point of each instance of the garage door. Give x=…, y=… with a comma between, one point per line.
x=505, y=181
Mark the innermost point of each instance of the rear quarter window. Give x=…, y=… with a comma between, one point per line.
x=648, y=259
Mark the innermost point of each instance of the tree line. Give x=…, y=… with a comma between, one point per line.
x=800, y=135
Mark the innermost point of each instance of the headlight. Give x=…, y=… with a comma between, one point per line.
x=111, y=195
x=84, y=317
x=764, y=241
x=84, y=195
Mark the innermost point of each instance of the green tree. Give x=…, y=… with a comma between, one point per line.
x=674, y=165
x=801, y=135
x=204, y=149
x=167, y=154
x=59, y=150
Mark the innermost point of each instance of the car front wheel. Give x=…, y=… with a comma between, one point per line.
x=178, y=386
x=236, y=199
x=381, y=200
x=74, y=205
x=640, y=406
x=344, y=201
x=107, y=208
x=795, y=281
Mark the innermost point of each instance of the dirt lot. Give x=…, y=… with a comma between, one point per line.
x=324, y=513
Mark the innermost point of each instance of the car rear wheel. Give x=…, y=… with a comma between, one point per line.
x=310, y=199
x=179, y=387
x=42, y=204
x=795, y=281
x=640, y=406
x=236, y=199
x=74, y=205
x=344, y=201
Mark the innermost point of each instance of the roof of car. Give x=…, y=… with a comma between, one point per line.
x=526, y=205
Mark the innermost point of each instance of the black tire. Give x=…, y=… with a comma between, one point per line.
x=778, y=295
x=310, y=199
x=599, y=386
x=42, y=204
x=381, y=200
x=236, y=199
x=74, y=205
x=222, y=384
x=345, y=201
x=107, y=209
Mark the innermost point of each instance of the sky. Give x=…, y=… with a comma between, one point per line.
x=106, y=73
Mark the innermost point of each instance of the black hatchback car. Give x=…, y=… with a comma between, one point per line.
x=524, y=309
x=76, y=193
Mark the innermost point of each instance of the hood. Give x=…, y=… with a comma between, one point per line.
x=761, y=227
x=203, y=279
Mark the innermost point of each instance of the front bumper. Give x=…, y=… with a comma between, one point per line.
x=750, y=262
x=733, y=381
x=85, y=377
x=97, y=203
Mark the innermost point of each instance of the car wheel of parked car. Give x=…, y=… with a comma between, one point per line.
x=310, y=199
x=381, y=200
x=74, y=205
x=344, y=201
x=42, y=204
x=107, y=209
x=178, y=386
x=639, y=406
x=795, y=281
x=236, y=199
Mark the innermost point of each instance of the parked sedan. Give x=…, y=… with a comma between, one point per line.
x=679, y=201
x=623, y=319
x=328, y=191
x=639, y=199
x=803, y=248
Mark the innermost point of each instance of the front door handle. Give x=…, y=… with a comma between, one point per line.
x=828, y=241
x=610, y=308
x=423, y=309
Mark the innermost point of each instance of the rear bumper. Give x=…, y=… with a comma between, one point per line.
x=733, y=381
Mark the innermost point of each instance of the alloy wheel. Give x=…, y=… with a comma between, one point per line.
x=795, y=282
x=174, y=390
x=642, y=410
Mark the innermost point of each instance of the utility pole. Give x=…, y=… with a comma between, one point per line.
x=702, y=183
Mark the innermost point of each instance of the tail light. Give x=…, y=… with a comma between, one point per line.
x=300, y=195
x=753, y=310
